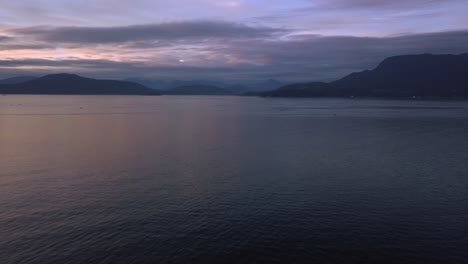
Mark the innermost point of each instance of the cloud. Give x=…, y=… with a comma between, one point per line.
x=295, y=58
x=372, y=17
x=194, y=30
x=316, y=57
x=25, y=47
x=377, y=4
x=121, y=70
x=5, y=38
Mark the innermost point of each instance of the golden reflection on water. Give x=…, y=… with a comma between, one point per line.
x=80, y=131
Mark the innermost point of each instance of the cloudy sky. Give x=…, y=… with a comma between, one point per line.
x=289, y=40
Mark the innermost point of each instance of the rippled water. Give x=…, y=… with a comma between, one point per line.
x=110, y=179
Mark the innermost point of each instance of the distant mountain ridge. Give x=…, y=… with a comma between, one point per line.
x=312, y=89
x=406, y=76
x=236, y=87
x=64, y=83
x=198, y=90
x=17, y=79
x=420, y=76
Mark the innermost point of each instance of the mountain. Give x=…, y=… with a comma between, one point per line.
x=168, y=84
x=254, y=86
x=151, y=83
x=408, y=76
x=198, y=90
x=17, y=79
x=64, y=83
x=268, y=85
x=236, y=87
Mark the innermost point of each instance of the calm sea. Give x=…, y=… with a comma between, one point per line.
x=132, y=179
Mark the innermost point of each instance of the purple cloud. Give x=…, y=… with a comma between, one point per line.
x=166, y=31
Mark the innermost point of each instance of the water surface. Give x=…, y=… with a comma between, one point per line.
x=133, y=179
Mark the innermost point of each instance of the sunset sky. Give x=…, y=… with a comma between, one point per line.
x=288, y=40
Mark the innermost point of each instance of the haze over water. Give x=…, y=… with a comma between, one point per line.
x=132, y=179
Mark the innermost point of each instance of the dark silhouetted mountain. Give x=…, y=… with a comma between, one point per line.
x=17, y=79
x=420, y=76
x=412, y=75
x=198, y=90
x=64, y=83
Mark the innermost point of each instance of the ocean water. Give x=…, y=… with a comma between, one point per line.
x=133, y=179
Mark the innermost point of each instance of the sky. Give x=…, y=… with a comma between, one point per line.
x=235, y=40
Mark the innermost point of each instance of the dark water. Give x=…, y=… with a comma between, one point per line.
x=111, y=179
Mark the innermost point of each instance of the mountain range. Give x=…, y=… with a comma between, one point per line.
x=235, y=87
x=65, y=83
x=17, y=79
x=407, y=76
x=68, y=84
x=198, y=90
